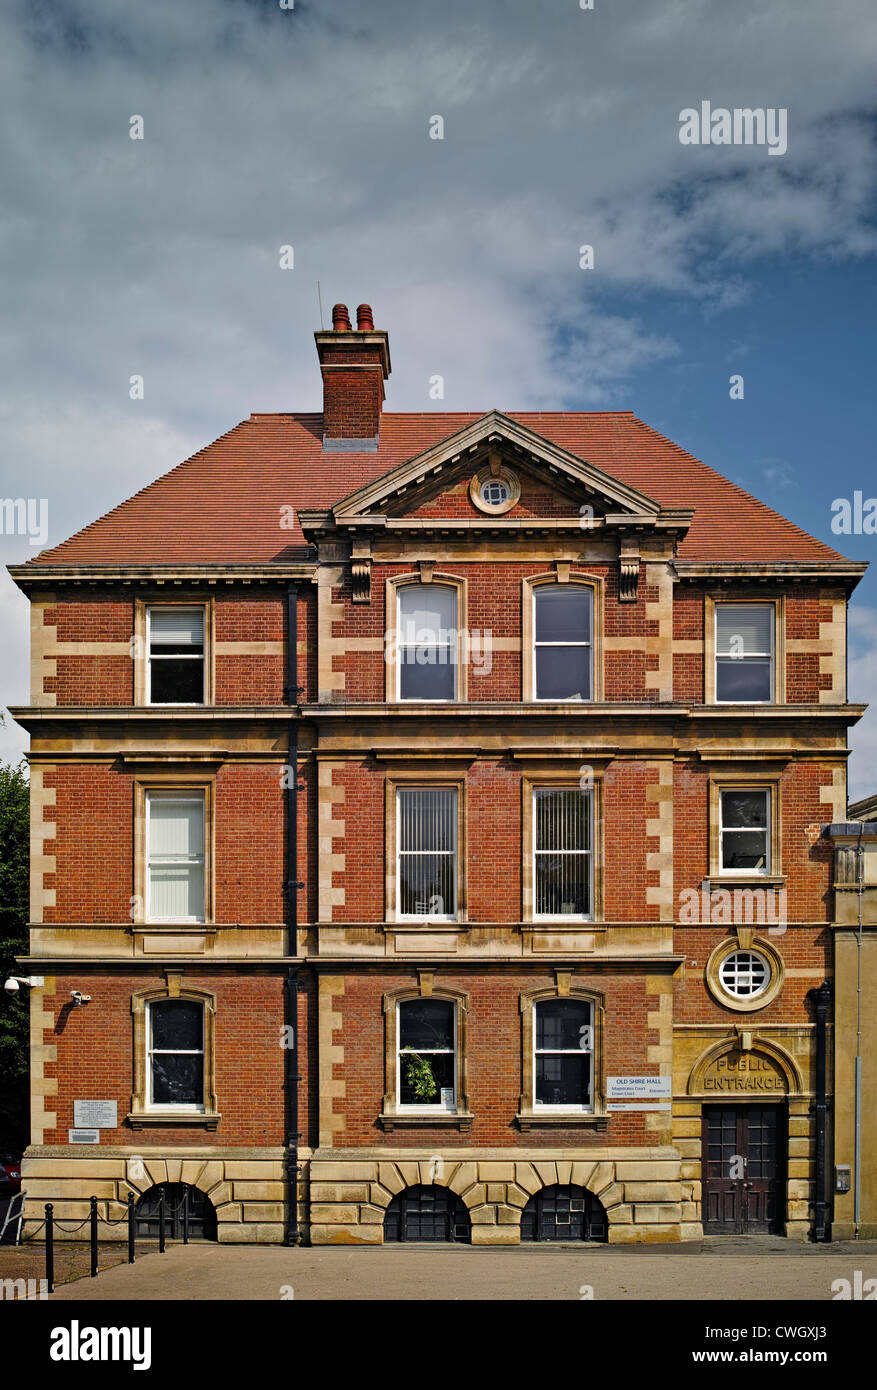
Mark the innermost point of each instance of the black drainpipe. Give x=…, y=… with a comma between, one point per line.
x=292, y=887
x=822, y=996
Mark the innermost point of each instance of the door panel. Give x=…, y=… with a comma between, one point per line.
x=743, y=1168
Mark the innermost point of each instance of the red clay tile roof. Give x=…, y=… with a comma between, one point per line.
x=224, y=504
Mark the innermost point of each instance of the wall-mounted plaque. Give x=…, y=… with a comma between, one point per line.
x=96, y=1114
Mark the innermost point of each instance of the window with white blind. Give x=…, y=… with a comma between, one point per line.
x=175, y=1070
x=426, y=852
x=175, y=655
x=744, y=829
x=427, y=646
x=563, y=840
x=175, y=837
x=563, y=622
x=745, y=644
x=563, y=1054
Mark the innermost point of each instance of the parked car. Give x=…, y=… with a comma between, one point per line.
x=10, y=1175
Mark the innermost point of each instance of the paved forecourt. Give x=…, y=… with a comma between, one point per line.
x=742, y=1272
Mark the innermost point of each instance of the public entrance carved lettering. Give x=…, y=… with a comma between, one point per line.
x=743, y=1071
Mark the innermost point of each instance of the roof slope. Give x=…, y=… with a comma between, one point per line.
x=224, y=504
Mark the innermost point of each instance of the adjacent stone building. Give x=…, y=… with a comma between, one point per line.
x=430, y=808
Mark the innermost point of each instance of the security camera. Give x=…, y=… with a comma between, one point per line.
x=79, y=998
x=14, y=981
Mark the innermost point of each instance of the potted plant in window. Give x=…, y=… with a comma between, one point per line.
x=418, y=1075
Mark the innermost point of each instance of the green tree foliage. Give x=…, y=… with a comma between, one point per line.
x=418, y=1074
x=14, y=890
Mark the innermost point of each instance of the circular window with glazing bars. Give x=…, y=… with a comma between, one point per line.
x=745, y=974
x=494, y=489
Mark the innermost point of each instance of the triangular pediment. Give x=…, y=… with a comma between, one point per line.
x=412, y=484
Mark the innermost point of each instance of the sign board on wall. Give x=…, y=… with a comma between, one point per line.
x=83, y=1136
x=639, y=1087
x=96, y=1114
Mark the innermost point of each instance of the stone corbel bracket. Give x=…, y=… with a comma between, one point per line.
x=628, y=564
x=361, y=575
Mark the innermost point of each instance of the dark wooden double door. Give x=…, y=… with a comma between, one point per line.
x=744, y=1169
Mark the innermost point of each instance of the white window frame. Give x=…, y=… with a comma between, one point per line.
x=176, y=656
x=766, y=870
x=455, y=852
x=425, y=1109
x=182, y=1107
x=196, y=797
x=587, y=592
x=587, y=916
x=451, y=646
x=730, y=603
x=755, y=994
x=541, y=1106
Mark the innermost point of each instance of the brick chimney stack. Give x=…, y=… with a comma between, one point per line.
x=355, y=363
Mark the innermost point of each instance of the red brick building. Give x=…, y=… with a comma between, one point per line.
x=432, y=805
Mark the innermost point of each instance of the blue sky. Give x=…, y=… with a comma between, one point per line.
x=310, y=127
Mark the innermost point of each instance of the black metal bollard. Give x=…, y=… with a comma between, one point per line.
x=161, y=1222
x=185, y=1213
x=50, y=1247
x=92, y=1217
x=132, y=1226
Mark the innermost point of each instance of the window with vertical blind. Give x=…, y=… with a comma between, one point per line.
x=563, y=842
x=175, y=655
x=427, y=642
x=175, y=1070
x=426, y=852
x=745, y=645
x=175, y=838
x=563, y=642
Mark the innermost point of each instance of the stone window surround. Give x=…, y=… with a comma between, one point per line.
x=429, y=779
x=172, y=782
x=141, y=1115
x=392, y=1116
x=730, y=595
x=532, y=781
x=744, y=940
x=426, y=574
x=495, y=468
x=745, y=781
x=529, y=1114
x=141, y=663
x=560, y=575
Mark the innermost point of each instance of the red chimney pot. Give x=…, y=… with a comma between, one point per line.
x=364, y=321
x=340, y=319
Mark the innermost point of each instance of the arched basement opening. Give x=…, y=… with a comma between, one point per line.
x=564, y=1213
x=427, y=1213
x=201, y=1212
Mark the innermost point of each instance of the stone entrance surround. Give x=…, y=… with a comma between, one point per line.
x=641, y=1189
